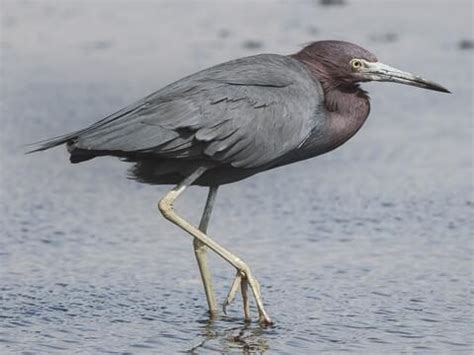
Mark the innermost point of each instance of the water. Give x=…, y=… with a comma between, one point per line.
x=366, y=249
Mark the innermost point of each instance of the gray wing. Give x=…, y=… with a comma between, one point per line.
x=247, y=113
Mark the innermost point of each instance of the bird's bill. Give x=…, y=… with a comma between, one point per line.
x=381, y=72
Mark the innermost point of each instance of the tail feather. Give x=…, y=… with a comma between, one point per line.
x=52, y=142
x=71, y=138
x=77, y=155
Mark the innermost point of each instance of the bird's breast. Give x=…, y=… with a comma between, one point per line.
x=349, y=113
x=335, y=129
x=341, y=128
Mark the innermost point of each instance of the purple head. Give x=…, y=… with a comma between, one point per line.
x=344, y=64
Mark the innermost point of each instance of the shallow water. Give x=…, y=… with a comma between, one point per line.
x=366, y=249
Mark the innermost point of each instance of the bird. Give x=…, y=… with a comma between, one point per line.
x=231, y=121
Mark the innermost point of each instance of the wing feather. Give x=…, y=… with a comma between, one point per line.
x=246, y=113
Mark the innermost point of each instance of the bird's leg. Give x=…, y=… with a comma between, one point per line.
x=200, y=250
x=166, y=207
x=241, y=280
x=245, y=299
x=233, y=290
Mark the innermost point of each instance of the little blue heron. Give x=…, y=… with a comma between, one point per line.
x=234, y=120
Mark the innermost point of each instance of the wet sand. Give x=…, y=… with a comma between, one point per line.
x=366, y=249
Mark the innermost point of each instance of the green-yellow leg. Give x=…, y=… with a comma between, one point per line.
x=200, y=250
x=166, y=207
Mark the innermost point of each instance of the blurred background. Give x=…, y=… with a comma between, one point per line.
x=367, y=249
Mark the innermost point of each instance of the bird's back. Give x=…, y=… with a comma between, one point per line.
x=247, y=114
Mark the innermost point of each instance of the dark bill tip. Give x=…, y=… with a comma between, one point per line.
x=382, y=72
x=432, y=86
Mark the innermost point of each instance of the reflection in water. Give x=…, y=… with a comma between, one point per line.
x=248, y=337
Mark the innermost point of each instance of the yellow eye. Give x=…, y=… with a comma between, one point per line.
x=356, y=63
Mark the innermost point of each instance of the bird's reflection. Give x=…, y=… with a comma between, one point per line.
x=223, y=335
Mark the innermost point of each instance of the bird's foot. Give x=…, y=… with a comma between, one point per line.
x=244, y=279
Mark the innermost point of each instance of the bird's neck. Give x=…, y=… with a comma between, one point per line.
x=348, y=109
x=344, y=98
x=347, y=104
x=351, y=102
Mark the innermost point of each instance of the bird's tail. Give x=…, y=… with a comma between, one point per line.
x=71, y=138
x=77, y=155
x=52, y=142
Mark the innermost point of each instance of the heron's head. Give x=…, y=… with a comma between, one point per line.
x=341, y=63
